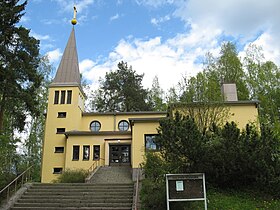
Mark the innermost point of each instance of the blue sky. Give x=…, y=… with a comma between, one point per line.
x=164, y=38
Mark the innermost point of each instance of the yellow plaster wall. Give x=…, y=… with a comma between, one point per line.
x=109, y=122
x=138, y=143
x=72, y=121
x=243, y=114
x=83, y=141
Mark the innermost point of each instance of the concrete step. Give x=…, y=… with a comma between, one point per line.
x=84, y=197
x=66, y=190
x=70, y=208
x=76, y=200
x=111, y=189
x=62, y=205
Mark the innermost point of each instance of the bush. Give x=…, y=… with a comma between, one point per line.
x=153, y=193
x=72, y=176
x=229, y=157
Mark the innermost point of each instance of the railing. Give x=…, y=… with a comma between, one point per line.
x=136, y=198
x=92, y=168
x=16, y=184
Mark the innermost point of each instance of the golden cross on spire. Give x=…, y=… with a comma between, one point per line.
x=74, y=20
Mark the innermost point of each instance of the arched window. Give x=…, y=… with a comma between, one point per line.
x=123, y=125
x=95, y=126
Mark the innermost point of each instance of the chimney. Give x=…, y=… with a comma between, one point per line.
x=229, y=91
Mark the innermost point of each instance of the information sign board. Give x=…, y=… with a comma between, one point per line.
x=185, y=187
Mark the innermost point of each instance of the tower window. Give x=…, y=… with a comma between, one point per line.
x=62, y=99
x=76, y=152
x=95, y=126
x=59, y=150
x=86, y=153
x=123, y=125
x=69, y=96
x=56, y=97
x=57, y=170
x=60, y=130
x=61, y=114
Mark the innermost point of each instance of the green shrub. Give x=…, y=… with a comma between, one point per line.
x=72, y=176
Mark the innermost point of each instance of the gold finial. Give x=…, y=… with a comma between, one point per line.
x=74, y=20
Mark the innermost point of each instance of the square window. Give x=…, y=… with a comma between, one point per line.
x=86, y=152
x=76, y=152
x=61, y=114
x=150, y=142
x=59, y=149
x=60, y=130
x=57, y=170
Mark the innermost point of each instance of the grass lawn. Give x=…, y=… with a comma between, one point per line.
x=233, y=200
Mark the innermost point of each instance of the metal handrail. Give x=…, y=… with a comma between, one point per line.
x=92, y=168
x=95, y=164
x=17, y=181
x=137, y=190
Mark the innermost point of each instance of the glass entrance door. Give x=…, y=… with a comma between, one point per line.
x=119, y=155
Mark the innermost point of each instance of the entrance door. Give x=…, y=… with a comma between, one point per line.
x=119, y=155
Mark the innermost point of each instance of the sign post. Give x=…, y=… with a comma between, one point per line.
x=185, y=187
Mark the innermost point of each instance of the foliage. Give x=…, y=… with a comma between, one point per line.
x=19, y=58
x=153, y=192
x=263, y=80
x=122, y=90
x=228, y=156
x=229, y=68
x=33, y=143
x=72, y=176
x=156, y=96
x=185, y=148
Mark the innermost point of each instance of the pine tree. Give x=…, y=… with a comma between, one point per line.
x=122, y=90
x=19, y=58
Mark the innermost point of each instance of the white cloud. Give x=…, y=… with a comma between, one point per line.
x=154, y=3
x=39, y=36
x=86, y=65
x=115, y=17
x=81, y=5
x=157, y=21
x=169, y=60
x=54, y=55
x=24, y=19
x=270, y=52
x=246, y=21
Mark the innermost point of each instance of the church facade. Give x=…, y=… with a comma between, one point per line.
x=75, y=139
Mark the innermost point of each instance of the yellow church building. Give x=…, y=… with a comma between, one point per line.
x=75, y=139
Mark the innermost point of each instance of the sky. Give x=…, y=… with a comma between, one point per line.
x=163, y=38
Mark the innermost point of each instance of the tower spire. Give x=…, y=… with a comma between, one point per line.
x=68, y=73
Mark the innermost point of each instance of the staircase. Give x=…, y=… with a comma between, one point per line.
x=113, y=174
x=110, y=188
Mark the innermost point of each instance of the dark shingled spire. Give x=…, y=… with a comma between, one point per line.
x=68, y=73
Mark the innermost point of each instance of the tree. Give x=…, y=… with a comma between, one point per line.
x=263, y=79
x=156, y=96
x=230, y=69
x=33, y=143
x=19, y=58
x=201, y=98
x=122, y=90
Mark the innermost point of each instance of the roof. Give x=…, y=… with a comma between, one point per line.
x=124, y=113
x=198, y=103
x=144, y=120
x=96, y=133
x=68, y=73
